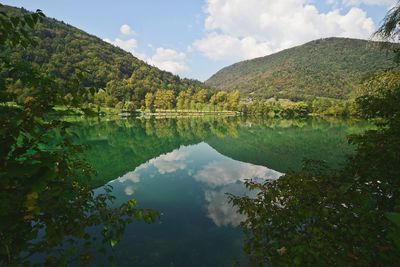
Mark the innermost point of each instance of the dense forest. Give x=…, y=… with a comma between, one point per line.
x=82, y=65
x=332, y=67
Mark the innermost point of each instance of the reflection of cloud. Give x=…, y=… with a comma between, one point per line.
x=217, y=173
x=129, y=190
x=220, y=210
x=131, y=176
x=171, y=162
x=227, y=176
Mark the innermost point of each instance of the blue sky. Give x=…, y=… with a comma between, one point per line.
x=196, y=38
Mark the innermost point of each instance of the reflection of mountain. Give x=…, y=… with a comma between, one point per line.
x=282, y=148
x=117, y=147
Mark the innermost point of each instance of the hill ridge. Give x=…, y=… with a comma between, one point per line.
x=63, y=50
x=326, y=67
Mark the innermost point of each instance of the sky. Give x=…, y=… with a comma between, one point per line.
x=196, y=38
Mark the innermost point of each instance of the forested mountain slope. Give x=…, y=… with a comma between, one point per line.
x=62, y=51
x=330, y=67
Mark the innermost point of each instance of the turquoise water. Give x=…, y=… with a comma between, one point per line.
x=184, y=167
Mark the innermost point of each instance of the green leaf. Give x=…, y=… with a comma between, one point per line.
x=15, y=21
x=30, y=22
x=393, y=217
x=138, y=215
x=345, y=187
x=114, y=242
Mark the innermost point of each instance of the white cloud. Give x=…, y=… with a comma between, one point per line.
x=163, y=58
x=128, y=45
x=237, y=30
x=222, y=46
x=169, y=60
x=126, y=30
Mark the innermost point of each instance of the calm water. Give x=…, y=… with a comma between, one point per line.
x=184, y=168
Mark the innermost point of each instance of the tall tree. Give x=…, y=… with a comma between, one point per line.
x=149, y=100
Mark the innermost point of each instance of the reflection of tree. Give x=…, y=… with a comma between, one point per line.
x=282, y=144
x=165, y=128
x=119, y=146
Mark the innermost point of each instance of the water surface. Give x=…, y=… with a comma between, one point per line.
x=184, y=168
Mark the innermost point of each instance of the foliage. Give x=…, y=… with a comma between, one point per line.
x=47, y=204
x=331, y=67
x=390, y=25
x=149, y=99
x=190, y=100
x=325, y=217
x=13, y=29
x=164, y=99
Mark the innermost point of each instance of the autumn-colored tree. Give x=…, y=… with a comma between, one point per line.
x=149, y=100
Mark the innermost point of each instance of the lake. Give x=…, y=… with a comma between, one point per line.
x=184, y=167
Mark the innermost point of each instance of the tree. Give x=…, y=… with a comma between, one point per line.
x=149, y=99
x=130, y=106
x=68, y=98
x=213, y=101
x=320, y=216
x=390, y=28
x=182, y=100
x=42, y=173
x=233, y=100
x=164, y=99
x=219, y=99
x=200, y=98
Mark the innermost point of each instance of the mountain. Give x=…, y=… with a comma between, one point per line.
x=62, y=51
x=330, y=67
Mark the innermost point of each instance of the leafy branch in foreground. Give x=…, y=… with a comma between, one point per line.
x=346, y=217
x=324, y=217
x=46, y=203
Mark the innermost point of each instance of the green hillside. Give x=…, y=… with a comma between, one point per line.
x=330, y=67
x=64, y=52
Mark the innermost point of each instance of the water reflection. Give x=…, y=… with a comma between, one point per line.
x=213, y=172
x=219, y=210
x=117, y=147
x=227, y=171
x=184, y=168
